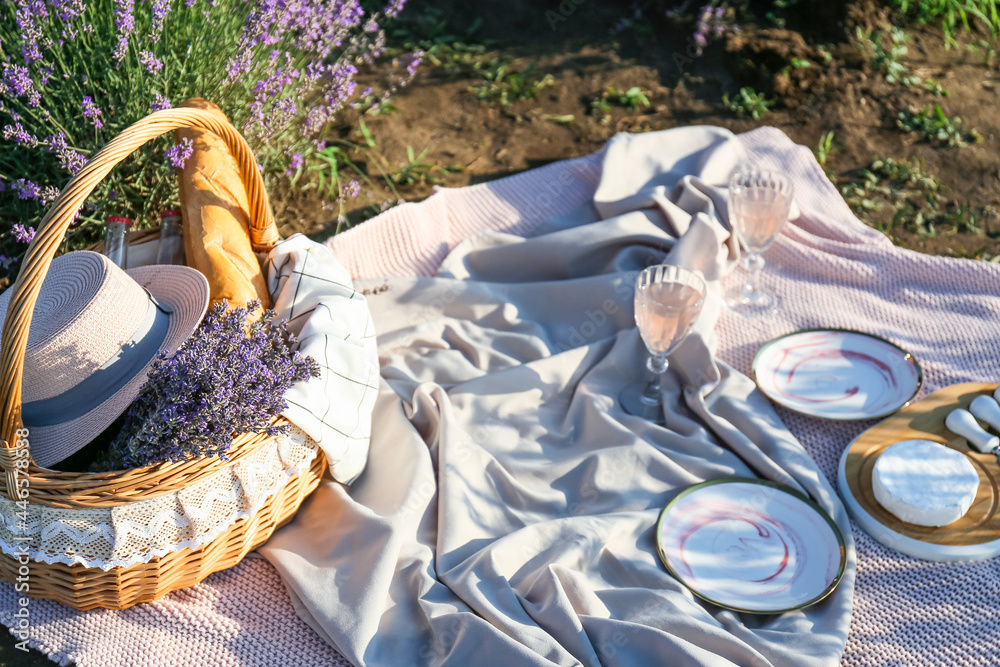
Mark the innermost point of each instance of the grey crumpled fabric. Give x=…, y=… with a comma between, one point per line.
x=506, y=515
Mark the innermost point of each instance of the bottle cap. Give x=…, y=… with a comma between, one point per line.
x=117, y=218
x=164, y=214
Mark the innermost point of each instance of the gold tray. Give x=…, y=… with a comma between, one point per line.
x=973, y=537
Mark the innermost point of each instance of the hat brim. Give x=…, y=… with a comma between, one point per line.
x=185, y=291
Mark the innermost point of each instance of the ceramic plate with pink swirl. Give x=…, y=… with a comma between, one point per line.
x=750, y=545
x=837, y=374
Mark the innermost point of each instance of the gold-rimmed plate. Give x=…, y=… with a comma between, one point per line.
x=837, y=374
x=751, y=545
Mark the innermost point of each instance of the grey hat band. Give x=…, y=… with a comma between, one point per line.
x=109, y=378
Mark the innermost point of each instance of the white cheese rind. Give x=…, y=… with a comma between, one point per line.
x=925, y=483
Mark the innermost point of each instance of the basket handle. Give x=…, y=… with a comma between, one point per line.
x=14, y=342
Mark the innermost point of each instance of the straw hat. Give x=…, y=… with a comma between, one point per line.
x=94, y=333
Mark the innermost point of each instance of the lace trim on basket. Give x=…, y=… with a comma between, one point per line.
x=124, y=535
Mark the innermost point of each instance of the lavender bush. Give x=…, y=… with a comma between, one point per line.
x=225, y=380
x=74, y=73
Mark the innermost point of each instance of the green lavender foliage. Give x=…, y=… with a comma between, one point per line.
x=75, y=73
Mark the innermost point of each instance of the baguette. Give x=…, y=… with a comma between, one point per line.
x=216, y=223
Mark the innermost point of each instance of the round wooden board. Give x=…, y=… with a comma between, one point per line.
x=975, y=536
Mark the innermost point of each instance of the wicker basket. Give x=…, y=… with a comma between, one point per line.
x=84, y=587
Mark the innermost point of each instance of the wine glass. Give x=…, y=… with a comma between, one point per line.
x=668, y=300
x=759, y=201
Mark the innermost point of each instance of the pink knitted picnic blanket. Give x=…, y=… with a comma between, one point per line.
x=831, y=271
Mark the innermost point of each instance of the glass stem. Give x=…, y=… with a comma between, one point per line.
x=754, y=264
x=657, y=365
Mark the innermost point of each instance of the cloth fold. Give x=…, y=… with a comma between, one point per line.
x=509, y=506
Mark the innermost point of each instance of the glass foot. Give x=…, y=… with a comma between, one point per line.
x=635, y=399
x=754, y=304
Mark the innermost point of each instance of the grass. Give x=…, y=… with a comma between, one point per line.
x=952, y=14
x=415, y=170
x=345, y=161
x=917, y=199
x=428, y=31
x=748, y=102
x=501, y=84
x=824, y=149
x=934, y=87
x=631, y=99
x=935, y=127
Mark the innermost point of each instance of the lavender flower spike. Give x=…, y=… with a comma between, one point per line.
x=393, y=9
x=125, y=23
x=160, y=102
x=148, y=60
x=15, y=81
x=69, y=159
x=25, y=189
x=177, y=155
x=19, y=135
x=294, y=164
x=160, y=10
x=22, y=234
x=91, y=111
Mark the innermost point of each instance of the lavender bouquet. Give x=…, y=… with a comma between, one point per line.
x=228, y=378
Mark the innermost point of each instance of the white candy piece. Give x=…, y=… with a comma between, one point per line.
x=924, y=483
x=987, y=410
x=962, y=422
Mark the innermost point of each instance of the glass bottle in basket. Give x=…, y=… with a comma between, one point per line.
x=116, y=230
x=171, y=250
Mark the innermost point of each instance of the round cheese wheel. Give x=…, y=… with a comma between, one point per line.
x=924, y=483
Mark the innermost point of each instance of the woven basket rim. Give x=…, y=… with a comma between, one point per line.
x=118, y=487
x=76, y=489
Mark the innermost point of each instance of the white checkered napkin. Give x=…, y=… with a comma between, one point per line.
x=314, y=292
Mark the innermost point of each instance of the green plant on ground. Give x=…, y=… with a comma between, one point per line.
x=953, y=14
x=987, y=49
x=337, y=175
x=824, y=149
x=501, y=84
x=986, y=253
x=893, y=180
x=341, y=167
x=559, y=119
x=934, y=126
x=796, y=63
x=916, y=198
x=427, y=31
x=416, y=170
x=630, y=99
x=374, y=105
x=748, y=102
x=885, y=59
x=934, y=87
x=461, y=59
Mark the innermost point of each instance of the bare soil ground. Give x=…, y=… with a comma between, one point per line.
x=839, y=92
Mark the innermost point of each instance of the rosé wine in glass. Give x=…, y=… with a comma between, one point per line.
x=759, y=201
x=668, y=300
x=665, y=313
